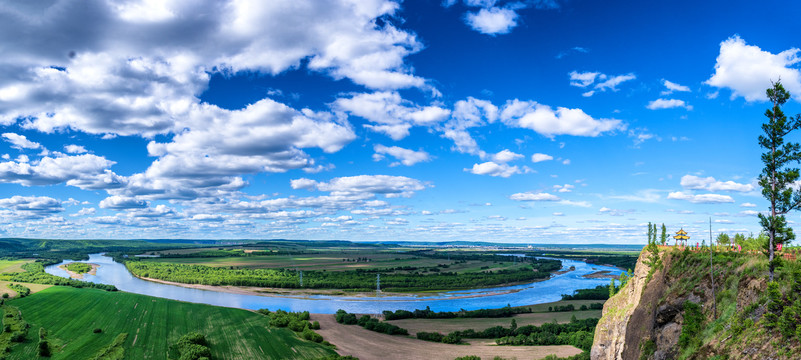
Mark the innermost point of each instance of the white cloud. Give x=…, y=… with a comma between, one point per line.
x=469, y=114
x=405, y=156
x=505, y=156
x=31, y=206
x=602, y=82
x=494, y=169
x=747, y=204
x=75, y=149
x=122, y=203
x=671, y=87
x=492, y=21
x=540, y=157
x=390, y=186
x=18, y=141
x=748, y=70
x=564, y=188
x=549, y=122
x=529, y=196
x=49, y=170
x=583, y=79
x=693, y=182
x=389, y=113
x=612, y=82
x=701, y=198
x=668, y=104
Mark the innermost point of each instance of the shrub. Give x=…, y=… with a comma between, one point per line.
x=452, y=338
x=97, y=331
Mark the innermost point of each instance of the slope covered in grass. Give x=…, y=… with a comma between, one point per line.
x=71, y=315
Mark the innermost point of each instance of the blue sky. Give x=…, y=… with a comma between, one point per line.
x=528, y=122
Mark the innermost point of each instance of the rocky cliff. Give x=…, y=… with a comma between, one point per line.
x=645, y=319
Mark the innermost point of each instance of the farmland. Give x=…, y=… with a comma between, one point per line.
x=70, y=315
x=340, y=266
x=540, y=316
x=11, y=266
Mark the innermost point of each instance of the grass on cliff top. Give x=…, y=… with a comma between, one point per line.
x=153, y=324
x=734, y=329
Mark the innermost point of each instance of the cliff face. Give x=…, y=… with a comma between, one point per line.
x=645, y=321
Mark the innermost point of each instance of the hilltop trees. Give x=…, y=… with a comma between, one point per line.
x=777, y=178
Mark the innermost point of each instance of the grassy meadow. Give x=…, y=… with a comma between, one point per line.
x=70, y=315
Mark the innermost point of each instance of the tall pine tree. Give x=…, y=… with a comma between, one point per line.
x=777, y=177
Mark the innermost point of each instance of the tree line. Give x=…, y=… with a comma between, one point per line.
x=369, y=323
x=506, y=311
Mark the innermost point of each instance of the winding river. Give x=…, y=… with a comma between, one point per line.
x=114, y=273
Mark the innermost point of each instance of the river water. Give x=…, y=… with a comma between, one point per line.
x=114, y=273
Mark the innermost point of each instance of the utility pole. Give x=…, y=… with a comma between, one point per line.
x=712, y=274
x=301, y=278
x=378, y=283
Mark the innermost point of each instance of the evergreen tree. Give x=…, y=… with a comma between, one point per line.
x=776, y=178
x=650, y=232
x=663, y=237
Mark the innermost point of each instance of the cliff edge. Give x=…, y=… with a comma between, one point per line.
x=673, y=314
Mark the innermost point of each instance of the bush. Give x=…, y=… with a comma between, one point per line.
x=5, y=295
x=17, y=336
x=452, y=338
x=693, y=319
x=97, y=331
x=468, y=357
x=44, y=348
x=430, y=336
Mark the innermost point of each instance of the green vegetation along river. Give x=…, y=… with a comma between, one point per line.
x=113, y=273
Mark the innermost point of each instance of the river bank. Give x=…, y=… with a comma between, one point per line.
x=78, y=276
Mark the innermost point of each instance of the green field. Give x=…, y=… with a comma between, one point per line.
x=540, y=316
x=12, y=265
x=69, y=315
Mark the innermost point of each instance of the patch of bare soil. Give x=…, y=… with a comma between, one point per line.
x=369, y=345
x=604, y=274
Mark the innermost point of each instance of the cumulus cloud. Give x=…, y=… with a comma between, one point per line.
x=128, y=73
x=540, y=157
x=693, y=182
x=549, y=122
x=18, y=141
x=389, y=113
x=492, y=21
x=596, y=81
x=468, y=114
x=117, y=202
x=747, y=70
x=75, y=149
x=494, y=169
x=53, y=170
x=701, y=198
x=564, y=188
x=668, y=104
x=390, y=186
x=31, y=206
x=529, y=196
x=405, y=156
x=505, y=156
